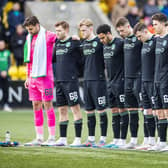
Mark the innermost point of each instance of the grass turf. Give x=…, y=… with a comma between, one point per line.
x=20, y=124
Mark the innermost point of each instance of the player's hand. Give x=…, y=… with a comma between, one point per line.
x=75, y=37
x=26, y=84
x=4, y=74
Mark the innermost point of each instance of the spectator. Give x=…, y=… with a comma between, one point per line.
x=17, y=44
x=150, y=8
x=2, y=4
x=140, y=3
x=2, y=32
x=120, y=9
x=133, y=16
x=15, y=17
x=4, y=66
x=21, y=2
x=163, y=7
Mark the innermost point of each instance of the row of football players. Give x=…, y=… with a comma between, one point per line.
x=135, y=64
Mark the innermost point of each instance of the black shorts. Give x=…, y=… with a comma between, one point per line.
x=161, y=95
x=115, y=92
x=147, y=94
x=132, y=90
x=67, y=93
x=95, y=95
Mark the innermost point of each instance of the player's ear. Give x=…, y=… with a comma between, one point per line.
x=67, y=30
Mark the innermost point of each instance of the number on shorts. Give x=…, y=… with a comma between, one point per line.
x=165, y=98
x=122, y=98
x=73, y=96
x=153, y=100
x=102, y=100
x=140, y=96
x=48, y=92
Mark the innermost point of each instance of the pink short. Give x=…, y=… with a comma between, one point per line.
x=41, y=89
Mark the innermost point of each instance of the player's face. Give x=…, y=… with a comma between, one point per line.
x=158, y=26
x=141, y=35
x=2, y=45
x=124, y=31
x=33, y=29
x=103, y=38
x=61, y=32
x=85, y=31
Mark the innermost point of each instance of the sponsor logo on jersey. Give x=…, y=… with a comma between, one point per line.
x=94, y=44
x=134, y=39
x=150, y=43
x=164, y=43
x=68, y=44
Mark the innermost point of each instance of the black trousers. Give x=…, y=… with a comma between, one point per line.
x=4, y=85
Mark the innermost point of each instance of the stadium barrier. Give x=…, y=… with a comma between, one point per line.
x=18, y=95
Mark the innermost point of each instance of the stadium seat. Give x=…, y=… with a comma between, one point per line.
x=22, y=72
x=104, y=7
x=13, y=73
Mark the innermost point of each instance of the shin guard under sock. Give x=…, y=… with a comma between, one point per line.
x=91, y=124
x=78, y=127
x=134, y=119
x=103, y=124
x=116, y=125
x=63, y=128
x=124, y=121
x=163, y=130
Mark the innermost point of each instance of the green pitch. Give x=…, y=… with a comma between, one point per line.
x=20, y=124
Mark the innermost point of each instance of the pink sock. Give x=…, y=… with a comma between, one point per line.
x=38, y=119
x=51, y=131
x=51, y=121
x=39, y=130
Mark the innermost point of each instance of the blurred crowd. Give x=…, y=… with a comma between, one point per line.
x=13, y=35
x=134, y=10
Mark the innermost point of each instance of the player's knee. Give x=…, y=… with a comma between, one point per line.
x=101, y=111
x=77, y=114
x=90, y=112
x=115, y=110
x=122, y=110
x=166, y=113
x=37, y=105
x=161, y=114
x=63, y=111
x=48, y=105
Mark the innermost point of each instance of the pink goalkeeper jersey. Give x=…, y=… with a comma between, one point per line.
x=50, y=40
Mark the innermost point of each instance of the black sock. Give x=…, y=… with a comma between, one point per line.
x=151, y=125
x=78, y=127
x=91, y=124
x=134, y=119
x=146, y=130
x=103, y=123
x=124, y=124
x=63, y=128
x=116, y=125
x=163, y=130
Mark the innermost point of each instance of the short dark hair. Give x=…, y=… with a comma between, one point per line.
x=139, y=27
x=104, y=28
x=122, y=21
x=64, y=24
x=31, y=20
x=160, y=17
